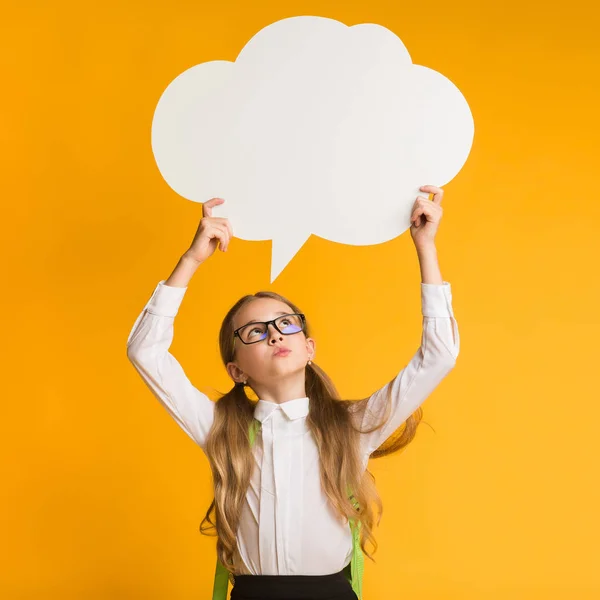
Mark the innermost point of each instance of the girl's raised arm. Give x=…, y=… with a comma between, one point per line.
x=435, y=358
x=150, y=338
x=148, y=350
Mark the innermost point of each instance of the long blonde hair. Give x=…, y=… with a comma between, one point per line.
x=332, y=423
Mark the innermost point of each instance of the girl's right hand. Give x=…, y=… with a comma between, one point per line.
x=210, y=232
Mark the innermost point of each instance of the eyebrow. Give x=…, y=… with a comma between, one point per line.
x=280, y=312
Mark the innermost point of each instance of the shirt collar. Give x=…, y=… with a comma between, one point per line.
x=294, y=409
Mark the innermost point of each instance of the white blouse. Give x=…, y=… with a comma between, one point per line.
x=287, y=526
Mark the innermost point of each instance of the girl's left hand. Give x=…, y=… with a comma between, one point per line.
x=426, y=216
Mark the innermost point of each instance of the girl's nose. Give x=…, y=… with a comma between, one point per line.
x=275, y=335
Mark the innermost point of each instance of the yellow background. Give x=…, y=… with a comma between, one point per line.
x=102, y=493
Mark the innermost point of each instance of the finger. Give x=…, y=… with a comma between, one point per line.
x=208, y=206
x=420, y=202
x=223, y=239
x=438, y=193
x=222, y=233
x=428, y=207
x=422, y=209
x=216, y=231
x=420, y=205
x=225, y=221
x=414, y=217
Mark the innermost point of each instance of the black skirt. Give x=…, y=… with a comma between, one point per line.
x=293, y=587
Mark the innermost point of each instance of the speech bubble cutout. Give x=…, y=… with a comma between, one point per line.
x=316, y=128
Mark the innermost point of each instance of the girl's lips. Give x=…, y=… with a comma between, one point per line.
x=282, y=353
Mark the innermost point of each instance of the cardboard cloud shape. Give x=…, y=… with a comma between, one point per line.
x=316, y=128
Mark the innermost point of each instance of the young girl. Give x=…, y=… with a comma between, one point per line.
x=283, y=503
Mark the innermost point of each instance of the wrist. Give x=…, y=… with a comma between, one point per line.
x=426, y=248
x=190, y=259
x=183, y=271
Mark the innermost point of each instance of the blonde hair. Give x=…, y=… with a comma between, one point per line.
x=332, y=423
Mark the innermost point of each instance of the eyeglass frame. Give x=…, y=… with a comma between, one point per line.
x=266, y=324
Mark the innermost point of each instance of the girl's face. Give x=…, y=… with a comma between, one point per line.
x=257, y=363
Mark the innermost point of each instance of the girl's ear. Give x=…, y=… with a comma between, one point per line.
x=235, y=372
x=311, y=347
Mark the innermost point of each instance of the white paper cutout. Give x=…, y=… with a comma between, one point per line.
x=316, y=128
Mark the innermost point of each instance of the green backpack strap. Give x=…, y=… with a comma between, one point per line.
x=357, y=563
x=254, y=428
x=221, y=582
x=354, y=573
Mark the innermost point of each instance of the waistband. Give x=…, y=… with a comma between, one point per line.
x=294, y=587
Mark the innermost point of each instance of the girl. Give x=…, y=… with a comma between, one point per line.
x=281, y=496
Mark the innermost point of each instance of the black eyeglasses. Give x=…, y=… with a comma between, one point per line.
x=257, y=332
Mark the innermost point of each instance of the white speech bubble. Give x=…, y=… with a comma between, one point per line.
x=316, y=128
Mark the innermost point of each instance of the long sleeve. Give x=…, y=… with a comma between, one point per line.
x=148, y=350
x=435, y=358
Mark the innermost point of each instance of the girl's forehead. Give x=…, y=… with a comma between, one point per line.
x=261, y=309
